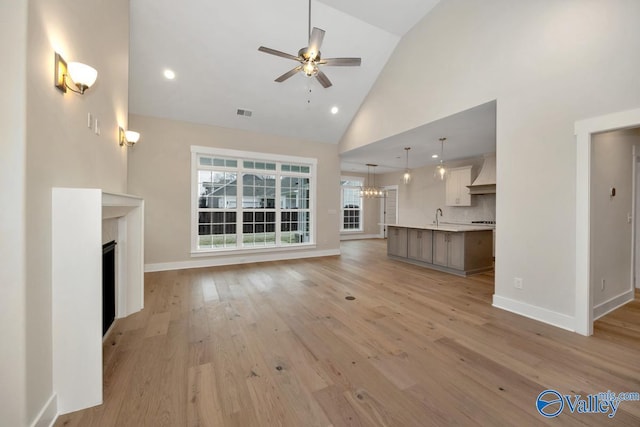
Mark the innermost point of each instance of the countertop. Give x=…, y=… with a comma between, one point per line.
x=447, y=227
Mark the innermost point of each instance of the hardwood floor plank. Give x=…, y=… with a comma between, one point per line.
x=204, y=405
x=277, y=344
x=337, y=407
x=158, y=324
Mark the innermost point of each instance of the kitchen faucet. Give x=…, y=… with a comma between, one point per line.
x=438, y=210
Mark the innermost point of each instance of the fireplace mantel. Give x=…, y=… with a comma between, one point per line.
x=77, y=215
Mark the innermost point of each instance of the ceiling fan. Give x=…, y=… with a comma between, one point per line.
x=310, y=59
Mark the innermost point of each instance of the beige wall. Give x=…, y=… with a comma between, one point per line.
x=418, y=201
x=371, y=212
x=611, y=166
x=13, y=27
x=62, y=151
x=547, y=63
x=160, y=172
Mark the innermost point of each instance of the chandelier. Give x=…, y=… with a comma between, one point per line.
x=370, y=190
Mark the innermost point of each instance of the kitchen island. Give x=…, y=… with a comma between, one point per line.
x=454, y=248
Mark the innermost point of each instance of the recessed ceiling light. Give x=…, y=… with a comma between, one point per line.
x=434, y=156
x=169, y=74
x=334, y=110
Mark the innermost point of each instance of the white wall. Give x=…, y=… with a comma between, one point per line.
x=62, y=151
x=13, y=26
x=548, y=64
x=611, y=166
x=160, y=172
x=109, y=230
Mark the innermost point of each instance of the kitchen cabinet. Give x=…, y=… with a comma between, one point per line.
x=397, y=242
x=461, y=250
x=456, y=191
x=420, y=245
x=448, y=249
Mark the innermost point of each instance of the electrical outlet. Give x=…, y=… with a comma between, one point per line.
x=517, y=282
x=89, y=120
x=96, y=129
x=602, y=285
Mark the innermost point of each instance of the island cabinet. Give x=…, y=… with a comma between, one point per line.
x=448, y=249
x=397, y=241
x=460, y=250
x=420, y=245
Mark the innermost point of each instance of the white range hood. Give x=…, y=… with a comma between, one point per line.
x=485, y=183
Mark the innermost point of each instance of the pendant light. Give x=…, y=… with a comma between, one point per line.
x=370, y=190
x=441, y=172
x=406, y=178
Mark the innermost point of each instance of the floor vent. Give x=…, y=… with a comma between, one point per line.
x=243, y=112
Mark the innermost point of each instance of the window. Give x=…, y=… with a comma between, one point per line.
x=351, y=203
x=247, y=200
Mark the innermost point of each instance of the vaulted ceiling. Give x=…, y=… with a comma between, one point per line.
x=212, y=46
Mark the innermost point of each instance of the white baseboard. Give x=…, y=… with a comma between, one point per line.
x=610, y=305
x=537, y=313
x=356, y=236
x=48, y=414
x=238, y=259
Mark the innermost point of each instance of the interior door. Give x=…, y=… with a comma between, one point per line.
x=389, y=209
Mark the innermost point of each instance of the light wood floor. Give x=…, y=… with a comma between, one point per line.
x=278, y=344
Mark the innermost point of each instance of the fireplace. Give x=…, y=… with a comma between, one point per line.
x=108, y=285
x=78, y=217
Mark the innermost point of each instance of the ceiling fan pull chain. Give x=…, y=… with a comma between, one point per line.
x=309, y=27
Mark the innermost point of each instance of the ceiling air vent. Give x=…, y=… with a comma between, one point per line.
x=243, y=112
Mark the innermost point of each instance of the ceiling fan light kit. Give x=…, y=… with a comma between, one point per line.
x=310, y=59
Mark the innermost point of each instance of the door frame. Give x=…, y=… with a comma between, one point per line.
x=635, y=246
x=383, y=205
x=584, y=129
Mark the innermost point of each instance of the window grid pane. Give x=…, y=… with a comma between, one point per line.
x=351, y=205
x=294, y=227
x=244, y=209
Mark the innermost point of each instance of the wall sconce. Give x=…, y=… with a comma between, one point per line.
x=79, y=75
x=128, y=138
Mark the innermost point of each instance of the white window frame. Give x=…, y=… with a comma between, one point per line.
x=361, y=223
x=253, y=156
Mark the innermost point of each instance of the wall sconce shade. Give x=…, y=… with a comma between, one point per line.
x=128, y=138
x=80, y=75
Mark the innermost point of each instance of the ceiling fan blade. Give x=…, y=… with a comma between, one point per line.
x=323, y=79
x=341, y=62
x=315, y=41
x=277, y=53
x=288, y=74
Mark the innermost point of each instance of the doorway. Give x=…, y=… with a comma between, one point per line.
x=389, y=209
x=585, y=130
x=611, y=217
x=636, y=215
